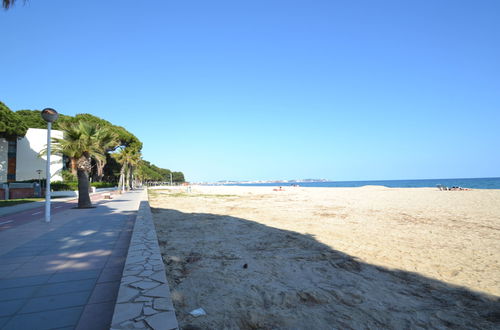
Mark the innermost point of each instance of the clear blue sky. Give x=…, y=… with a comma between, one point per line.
x=342, y=90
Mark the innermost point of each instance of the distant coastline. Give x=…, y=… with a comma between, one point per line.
x=473, y=183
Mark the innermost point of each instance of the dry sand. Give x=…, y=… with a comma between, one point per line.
x=328, y=258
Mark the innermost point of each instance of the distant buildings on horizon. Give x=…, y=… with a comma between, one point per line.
x=222, y=182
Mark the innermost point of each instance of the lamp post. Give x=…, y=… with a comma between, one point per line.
x=39, y=182
x=50, y=116
x=39, y=177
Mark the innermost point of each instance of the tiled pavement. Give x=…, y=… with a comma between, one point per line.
x=66, y=274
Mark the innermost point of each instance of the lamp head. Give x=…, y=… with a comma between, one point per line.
x=49, y=115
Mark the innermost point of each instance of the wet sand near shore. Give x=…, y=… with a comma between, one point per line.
x=323, y=258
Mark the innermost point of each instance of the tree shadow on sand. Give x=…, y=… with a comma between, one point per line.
x=250, y=276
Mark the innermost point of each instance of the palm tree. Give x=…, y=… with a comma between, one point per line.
x=128, y=157
x=81, y=142
x=107, y=141
x=8, y=3
x=133, y=164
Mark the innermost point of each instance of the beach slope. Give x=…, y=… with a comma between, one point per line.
x=322, y=258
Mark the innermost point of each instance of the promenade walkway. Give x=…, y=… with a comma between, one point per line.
x=66, y=274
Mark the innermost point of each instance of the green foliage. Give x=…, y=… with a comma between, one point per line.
x=151, y=172
x=87, y=117
x=11, y=125
x=178, y=177
x=63, y=186
x=73, y=185
x=100, y=147
x=81, y=139
x=33, y=119
x=103, y=184
x=147, y=173
x=68, y=176
x=127, y=139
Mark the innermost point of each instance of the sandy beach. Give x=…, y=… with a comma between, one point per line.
x=331, y=258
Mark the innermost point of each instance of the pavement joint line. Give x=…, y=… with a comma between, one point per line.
x=3, y=223
x=49, y=310
x=36, y=213
x=66, y=229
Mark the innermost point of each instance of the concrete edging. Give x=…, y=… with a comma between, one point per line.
x=144, y=300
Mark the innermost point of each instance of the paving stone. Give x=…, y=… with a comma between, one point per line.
x=56, y=302
x=126, y=311
x=126, y=294
x=3, y=320
x=133, y=272
x=158, y=292
x=74, y=275
x=5, y=260
x=164, y=320
x=145, y=285
x=159, y=276
x=96, y=316
x=45, y=320
x=111, y=274
x=131, y=279
x=148, y=311
x=143, y=299
x=66, y=287
x=140, y=325
x=23, y=281
x=17, y=293
x=127, y=325
x=158, y=267
x=146, y=273
x=131, y=256
x=144, y=261
x=105, y=292
x=10, y=307
x=137, y=247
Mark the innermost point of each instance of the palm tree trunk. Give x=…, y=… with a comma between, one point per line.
x=73, y=165
x=83, y=172
x=100, y=169
x=131, y=177
x=127, y=178
x=121, y=183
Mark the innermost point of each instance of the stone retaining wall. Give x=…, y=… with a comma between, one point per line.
x=144, y=300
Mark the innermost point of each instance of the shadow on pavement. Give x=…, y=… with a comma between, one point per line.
x=251, y=276
x=69, y=275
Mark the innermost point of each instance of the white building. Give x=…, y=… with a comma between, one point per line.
x=20, y=159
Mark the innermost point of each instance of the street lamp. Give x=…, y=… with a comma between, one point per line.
x=39, y=177
x=39, y=192
x=50, y=116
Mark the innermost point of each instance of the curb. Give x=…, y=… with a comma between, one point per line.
x=144, y=300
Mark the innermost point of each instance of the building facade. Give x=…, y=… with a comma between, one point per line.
x=20, y=158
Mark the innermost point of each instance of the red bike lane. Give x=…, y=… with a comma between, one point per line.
x=17, y=219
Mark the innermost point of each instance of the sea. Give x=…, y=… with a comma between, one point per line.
x=472, y=183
